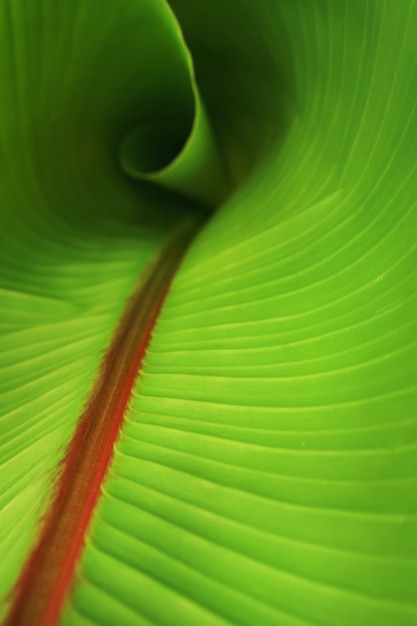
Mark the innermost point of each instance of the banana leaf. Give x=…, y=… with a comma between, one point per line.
x=208, y=232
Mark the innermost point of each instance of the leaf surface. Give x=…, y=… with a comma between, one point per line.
x=266, y=471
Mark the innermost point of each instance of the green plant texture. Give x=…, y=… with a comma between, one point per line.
x=266, y=471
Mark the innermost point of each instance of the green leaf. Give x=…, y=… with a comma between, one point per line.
x=267, y=469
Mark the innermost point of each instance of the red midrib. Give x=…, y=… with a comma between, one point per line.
x=49, y=570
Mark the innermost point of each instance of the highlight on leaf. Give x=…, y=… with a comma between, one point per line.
x=208, y=313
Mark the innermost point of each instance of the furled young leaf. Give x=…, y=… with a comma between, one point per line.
x=266, y=469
